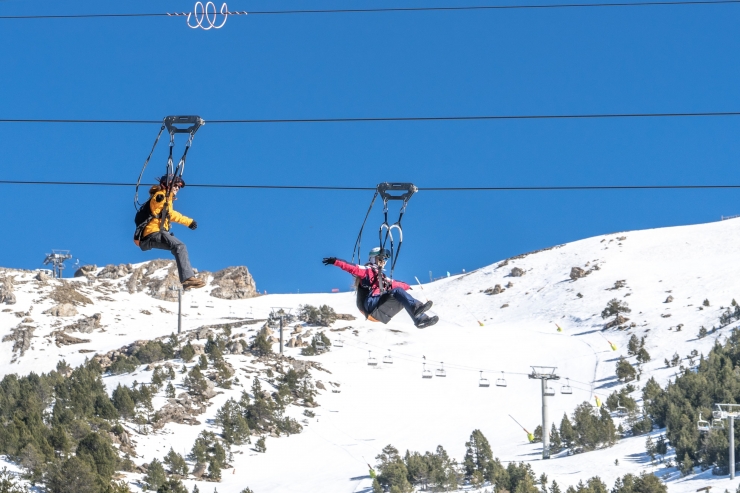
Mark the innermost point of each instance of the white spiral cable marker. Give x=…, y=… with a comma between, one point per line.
x=207, y=13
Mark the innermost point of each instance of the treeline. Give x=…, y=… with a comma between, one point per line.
x=588, y=429
x=676, y=407
x=436, y=471
x=57, y=426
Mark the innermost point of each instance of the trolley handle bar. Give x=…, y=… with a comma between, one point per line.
x=194, y=121
x=385, y=187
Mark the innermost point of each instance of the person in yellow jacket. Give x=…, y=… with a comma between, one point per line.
x=156, y=233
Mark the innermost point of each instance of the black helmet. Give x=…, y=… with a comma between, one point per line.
x=169, y=180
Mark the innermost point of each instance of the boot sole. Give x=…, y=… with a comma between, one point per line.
x=428, y=323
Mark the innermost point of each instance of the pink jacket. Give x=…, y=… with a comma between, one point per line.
x=368, y=273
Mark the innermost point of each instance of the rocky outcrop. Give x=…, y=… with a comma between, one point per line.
x=180, y=410
x=669, y=299
x=517, y=272
x=577, y=273
x=6, y=290
x=233, y=283
x=42, y=276
x=620, y=320
x=115, y=271
x=85, y=325
x=63, y=310
x=21, y=338
x=86, y=270
x=62, y=339
x=345, y=316
x=165, y=288
x=497, y=289
x=66, y=293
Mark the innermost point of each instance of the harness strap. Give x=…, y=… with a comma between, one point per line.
x=137, y=205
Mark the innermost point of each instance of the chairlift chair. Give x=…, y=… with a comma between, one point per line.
x=387, y=359
x=371, y=361
x=209, y=304
x=320, y=346
x=482, y=381
x=549, y=391
x=424, y=372
x=566, y=389
x=718, y=424
x=621, y=410
x=501, y=382
x=703, y=424
x=339, y=343
x=441, y=370
x=193, y=304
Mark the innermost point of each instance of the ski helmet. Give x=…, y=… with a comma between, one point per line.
x=379, y=252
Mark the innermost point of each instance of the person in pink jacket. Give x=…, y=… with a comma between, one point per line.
x=380, y=298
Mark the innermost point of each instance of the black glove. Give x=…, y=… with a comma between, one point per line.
x=329, y=260
x=159, y=198
x=193, y=225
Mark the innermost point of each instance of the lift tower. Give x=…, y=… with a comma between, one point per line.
x=56, y=258
x=545, y=374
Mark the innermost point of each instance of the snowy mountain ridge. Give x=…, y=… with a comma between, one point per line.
x=663, y=275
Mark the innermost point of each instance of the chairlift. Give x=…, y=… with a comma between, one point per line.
x=387, y=359
x=482, y=381
x=424, y=372
x=209, y=304
x=193, y=304
x=501, y=382
x=441, y=370
x=703, y=424
x=320, y=346
x=549, y=391
x=621, y=410
x=371, y=361
x=566, y=389
x=718, y=424
x=339, y=343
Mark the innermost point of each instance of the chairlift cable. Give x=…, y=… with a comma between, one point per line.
x=398, y=119
x=382, y=10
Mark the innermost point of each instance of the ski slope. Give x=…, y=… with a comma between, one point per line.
x=392, y=404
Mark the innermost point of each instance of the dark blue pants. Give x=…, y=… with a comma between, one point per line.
x=400, y=294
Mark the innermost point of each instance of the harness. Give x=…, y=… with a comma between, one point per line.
x=385, y=233
x=173, y=173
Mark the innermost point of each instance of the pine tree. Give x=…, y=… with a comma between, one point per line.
x=633, y=345
x=567, y=433
x=203, y=362
x=642, y=355
x=170, y=390
x=556, y=443
x=155, y=475
x=650, y=448
x=478, y=454
x=187, y=353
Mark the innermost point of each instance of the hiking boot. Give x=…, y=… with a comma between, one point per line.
x=193, y=283
x=426, y=321
x=421, y=308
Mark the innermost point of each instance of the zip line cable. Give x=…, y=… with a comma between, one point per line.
x=364, y=189
x=398, y=118
x=383, y=10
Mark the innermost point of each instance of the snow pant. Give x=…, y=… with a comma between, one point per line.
x=168, y=241
x=383, y=307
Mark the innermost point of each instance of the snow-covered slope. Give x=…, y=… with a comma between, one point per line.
x=391, y=403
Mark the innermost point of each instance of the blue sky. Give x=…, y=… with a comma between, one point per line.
x=605, y=60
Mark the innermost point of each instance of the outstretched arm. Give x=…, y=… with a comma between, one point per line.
x=355, y=270
x=400, y=284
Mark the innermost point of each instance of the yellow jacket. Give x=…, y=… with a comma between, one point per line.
x=157, y=196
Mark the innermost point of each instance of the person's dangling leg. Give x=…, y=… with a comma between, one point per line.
x=165, y=241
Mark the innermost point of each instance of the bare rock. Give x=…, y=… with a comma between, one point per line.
x=669, y=299
x=62, y=339
x=495, y=290
x=320, y=385
x=85, y=325
x=21, y=338
x=620, y=320
x=6, y=290
x=517, y=272
x=199, y=470
x=577, y=273
x=115, y=271
x=66, y=293
x=345, y=316
x=42, y=276
x=63, y=310
x=165, y=288
x=291, y=342
x=86, y=270
x=509, y=285
x=234, y=283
